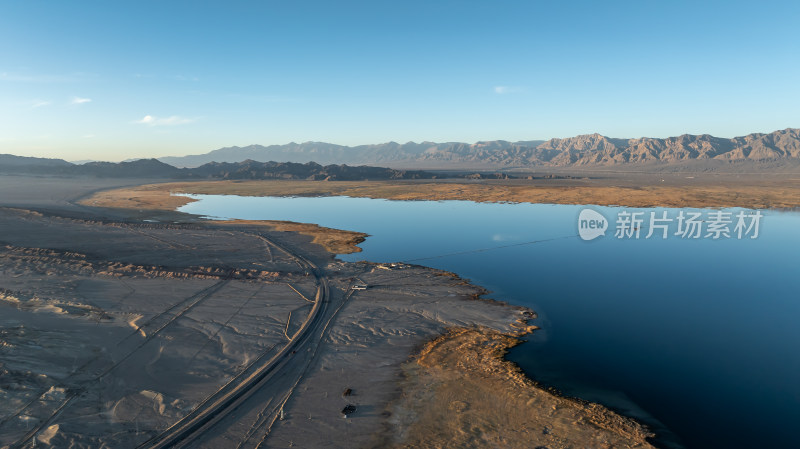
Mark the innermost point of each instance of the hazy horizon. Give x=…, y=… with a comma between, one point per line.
x=113, y=82
x=199, y=152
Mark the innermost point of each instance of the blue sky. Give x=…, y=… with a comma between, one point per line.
x=115, y=80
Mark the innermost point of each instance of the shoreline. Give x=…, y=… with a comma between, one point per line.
x=604, y=192
x=368, y=346
x=157, y=197
x=473, y=380
x=144, y=201
x=373, y=333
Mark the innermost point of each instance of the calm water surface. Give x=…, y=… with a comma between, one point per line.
x=700, y=339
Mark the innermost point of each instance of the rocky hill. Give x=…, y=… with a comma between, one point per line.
x=9, y=160
x=152, y=168
x=290, y=170
x=779, y=150
x=580, y=151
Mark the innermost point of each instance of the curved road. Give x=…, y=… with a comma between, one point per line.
x=235, y=392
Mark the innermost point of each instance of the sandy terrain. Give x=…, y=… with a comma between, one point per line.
x=458, y=383
x=114, y=331
x=154, y=202
x=336, y=241
x=674, y=191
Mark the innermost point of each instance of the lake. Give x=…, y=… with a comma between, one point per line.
x=698, y=338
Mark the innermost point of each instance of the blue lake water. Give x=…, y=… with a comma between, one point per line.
x=698, y=338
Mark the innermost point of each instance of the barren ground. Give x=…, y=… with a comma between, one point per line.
x=113, y=328
x=757, y=192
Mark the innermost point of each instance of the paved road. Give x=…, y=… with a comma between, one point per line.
x=243, y=386
x=276, y=375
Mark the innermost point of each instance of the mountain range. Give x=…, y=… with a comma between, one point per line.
x=152, y=168
x=779, y=150
x=581, y=151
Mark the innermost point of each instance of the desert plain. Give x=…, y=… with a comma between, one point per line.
x=126, y=324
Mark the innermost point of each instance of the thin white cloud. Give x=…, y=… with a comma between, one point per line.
x=40, y=103
x=89, y=136
x=147, y=120
x=502, y=90
x=166, y=121
x=79, y=100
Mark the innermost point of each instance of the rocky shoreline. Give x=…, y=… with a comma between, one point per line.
x=158, y=307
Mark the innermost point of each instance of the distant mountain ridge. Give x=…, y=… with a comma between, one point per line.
x=9, y=160
x=580, y=151
x=153, y=168
x=250, y=169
